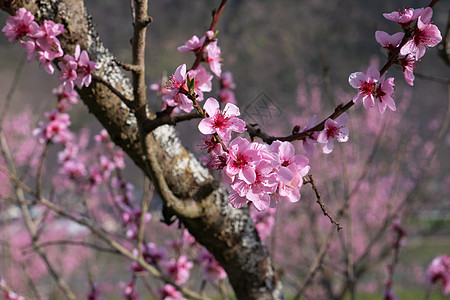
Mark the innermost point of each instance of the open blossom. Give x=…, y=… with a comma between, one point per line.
x=439, y=271
x=408, y=64
x=221, y=122
x=177, y=88
x=169, y=292
x=212, y=270
x=240, y=160
x=383, y=93
x=309, y=141
x=130, y=292
x=56, y=128
x=179, y=269
x=264, y=221
x=371, y=87
x=297, y=165
x=366, y=84
x=258, y=192
x=20, y=25
x=333, y=129
x=405, y=16
x=213, y=58
x=47, y=41
x=390, y=42
x=202, y=81
x=193, y=44
x=85, y=67
x=426, y=35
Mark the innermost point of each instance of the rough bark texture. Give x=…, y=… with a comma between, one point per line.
x=227, y=233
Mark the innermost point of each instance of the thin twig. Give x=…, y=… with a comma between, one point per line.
x=75, y=243
x=316, y=265
x=12, y=88
x=215, y=19
x=319, y=201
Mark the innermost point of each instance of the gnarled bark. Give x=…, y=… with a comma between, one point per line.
x=200, y=202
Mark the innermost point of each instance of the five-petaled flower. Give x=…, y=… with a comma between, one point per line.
x=221, y=122
x=333, y=129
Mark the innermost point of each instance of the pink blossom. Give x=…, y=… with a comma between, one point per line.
x=130, y=292
x=241, y=160
x=405, y=16
x=56, y=127
x=226, y=81
x=264, y=221
x=194, y=44
x=426, y=35
x=310, y=140
x=30, y=47
x=155, y=254
x=383, y=93
x=258, y=191
x=439, y=271
x=46, y=63
x=287, y=158
x=390, y=42
x=366, y=84
x=408, y=64
x=68, y=74
x=202, y=81
x=20, y=25
x=296, y=165
x=177, y=87
x=221, y=122
x=168, y=292
x=333, y=129
x=179, y=269
x=85, y=68
x=75, y=170
x=212, y=270
x=227, y=96
x=102, y=137
x=213, y=58
x=46, y=39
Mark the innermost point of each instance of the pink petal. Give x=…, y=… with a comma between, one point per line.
x=286, y=151
x=231, y=110
x=236, y=201
x=248, y=175
x=284, y=174
x=356, y=79
x=211, y=106
x=206, y=126
x=373, y=72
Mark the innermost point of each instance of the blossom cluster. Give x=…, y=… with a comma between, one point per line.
x=256, y=172
x=177, y=269
x=372, y=86
x=439, y=272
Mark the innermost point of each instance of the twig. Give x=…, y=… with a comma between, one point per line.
x=146, y=198
x=12, y=88
x=100, y=233
x=29, y=223
x=216, y=16
x=316, y=265
x=164, y=118
x=130, y=104
x=319, y=201
x=75, y=243
x=41, y=168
